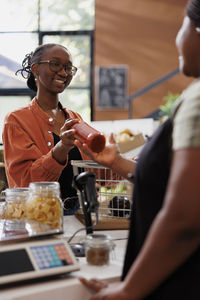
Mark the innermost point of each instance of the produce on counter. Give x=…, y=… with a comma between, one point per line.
x=115, y=200
x=120, y=206
x=127, y=140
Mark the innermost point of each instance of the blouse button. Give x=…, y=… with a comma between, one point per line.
x=49, y=144
x=49, y=131
x=50, y=119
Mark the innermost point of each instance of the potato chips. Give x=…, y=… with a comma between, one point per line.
x=46, y=210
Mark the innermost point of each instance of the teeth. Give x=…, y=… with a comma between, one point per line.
x=59, y=81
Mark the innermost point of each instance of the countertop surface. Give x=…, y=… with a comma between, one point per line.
x=68, y=286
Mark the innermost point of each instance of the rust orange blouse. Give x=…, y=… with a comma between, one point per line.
x=28, y=142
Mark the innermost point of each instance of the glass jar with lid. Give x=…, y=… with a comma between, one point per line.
x=98, y=248
x=15, y=208
x=44, y=207
x=2, y=204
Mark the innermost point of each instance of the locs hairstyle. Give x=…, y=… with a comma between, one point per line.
x=33, y=58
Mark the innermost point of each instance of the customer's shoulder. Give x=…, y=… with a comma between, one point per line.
x=21, y=112
x=192, y=91
x=187, y=110
x=190, y=99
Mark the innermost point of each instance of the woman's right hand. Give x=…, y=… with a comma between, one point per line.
x=67, y=134
x=107, y=157
x=66, y=143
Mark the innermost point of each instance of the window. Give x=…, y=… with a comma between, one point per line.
x=26, y=24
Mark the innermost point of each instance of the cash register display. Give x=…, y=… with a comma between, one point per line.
x=47, y=256
x=32, y=259
x=15, y=261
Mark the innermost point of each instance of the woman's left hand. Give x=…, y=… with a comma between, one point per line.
x=105, y=291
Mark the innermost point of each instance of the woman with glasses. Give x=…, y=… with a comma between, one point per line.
x=38, y=139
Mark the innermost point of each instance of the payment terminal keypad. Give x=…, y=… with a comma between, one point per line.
x=50, y=256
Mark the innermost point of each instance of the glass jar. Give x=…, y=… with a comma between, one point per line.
x=2, y=204
x=98, y=248
x=44, y=207
x=15, y=208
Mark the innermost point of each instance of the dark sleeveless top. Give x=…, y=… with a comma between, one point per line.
x=66, y=176
x=150, y=181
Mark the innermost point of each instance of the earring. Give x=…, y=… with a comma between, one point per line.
x=197, y=29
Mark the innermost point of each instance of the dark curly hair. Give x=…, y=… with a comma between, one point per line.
x=33, y=58
x=193, y=11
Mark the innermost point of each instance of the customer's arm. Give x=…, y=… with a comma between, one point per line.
x=173, y=237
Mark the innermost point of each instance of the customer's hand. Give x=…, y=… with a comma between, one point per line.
x=107, y=157
x=67, y=134
x=114, y=291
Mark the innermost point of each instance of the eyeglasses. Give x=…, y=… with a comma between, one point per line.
x=55, y=66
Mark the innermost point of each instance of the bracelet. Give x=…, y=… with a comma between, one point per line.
x=131, y=177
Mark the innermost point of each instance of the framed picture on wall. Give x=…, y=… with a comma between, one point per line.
x=112, y=86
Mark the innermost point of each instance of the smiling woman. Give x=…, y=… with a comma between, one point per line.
x=23, y=26
x=38, y=139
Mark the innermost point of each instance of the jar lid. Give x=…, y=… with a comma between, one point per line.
x=19, y=190
x=16, y=194
x=3, y=196
x=44, y=186
x=99, y=240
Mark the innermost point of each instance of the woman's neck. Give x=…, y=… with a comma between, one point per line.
x=48, y=105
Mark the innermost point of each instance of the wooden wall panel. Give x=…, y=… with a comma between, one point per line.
x=140, y=34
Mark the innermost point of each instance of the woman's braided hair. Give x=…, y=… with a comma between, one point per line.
x=193, y=11
x=33, y=58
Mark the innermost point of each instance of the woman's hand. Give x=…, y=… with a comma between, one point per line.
x=67, y=134
x=60, y=150
x=114, y=291
x=107, y=157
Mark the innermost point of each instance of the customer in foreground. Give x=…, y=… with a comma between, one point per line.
x=162, y=259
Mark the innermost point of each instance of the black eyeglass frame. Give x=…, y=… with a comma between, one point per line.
x=67, y=68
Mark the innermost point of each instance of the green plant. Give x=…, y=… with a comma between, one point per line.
x=169, y=101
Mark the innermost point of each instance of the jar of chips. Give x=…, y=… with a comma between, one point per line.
x=44, y=207
x=15, y=208
x=2, y=204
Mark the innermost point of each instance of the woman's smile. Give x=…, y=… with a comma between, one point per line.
x=60, y=82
